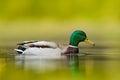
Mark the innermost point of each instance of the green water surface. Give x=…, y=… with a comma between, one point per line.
x=96, y=64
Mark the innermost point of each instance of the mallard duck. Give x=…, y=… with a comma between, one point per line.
x=52, y=48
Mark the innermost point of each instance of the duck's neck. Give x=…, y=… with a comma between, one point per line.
x=74, y=42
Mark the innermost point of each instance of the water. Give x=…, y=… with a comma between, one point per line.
x=93, y=64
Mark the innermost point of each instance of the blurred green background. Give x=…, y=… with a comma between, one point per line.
x=54, y=20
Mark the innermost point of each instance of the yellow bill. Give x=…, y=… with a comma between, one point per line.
x=89, y=42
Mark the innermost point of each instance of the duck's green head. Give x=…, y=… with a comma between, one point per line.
x=79, y=36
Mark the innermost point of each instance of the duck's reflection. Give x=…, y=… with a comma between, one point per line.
x=76, y=66
x=70, y=62
x=73, y=61
x=39, y=63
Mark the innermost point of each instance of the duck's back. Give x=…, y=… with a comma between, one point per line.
x=37, y=47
